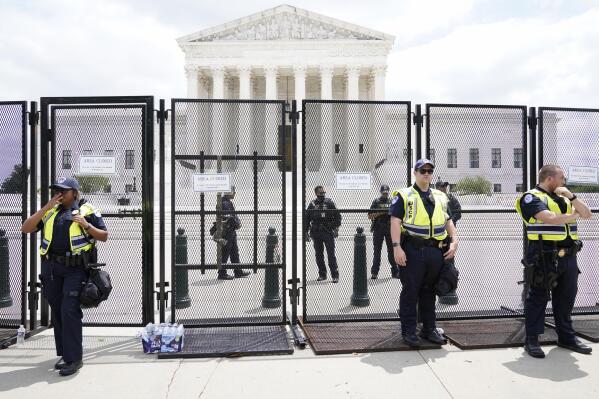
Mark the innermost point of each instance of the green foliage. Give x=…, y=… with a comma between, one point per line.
x=583, y=188
x=473, y=185
x=93, y=184
x=13, y=184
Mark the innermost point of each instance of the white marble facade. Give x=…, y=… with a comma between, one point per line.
x=286, y=53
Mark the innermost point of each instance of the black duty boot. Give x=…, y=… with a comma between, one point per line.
x=241, y=273
x=412, y=340
x=576, y=346
x=71, y=368
x=60, y=364
x=433, y=336
x=532, y=347
x=225, y=277
x=321, y=277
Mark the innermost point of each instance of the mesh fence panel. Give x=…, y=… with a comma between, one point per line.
x=13, y=177
x=247, y=135
x=481, y=152
x=113, y=133
x=352, y=137
x=568, y=137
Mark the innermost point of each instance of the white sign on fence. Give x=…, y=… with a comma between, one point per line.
x=212, y=182
x=97, y=165
x=353, y=181
x=582, y=174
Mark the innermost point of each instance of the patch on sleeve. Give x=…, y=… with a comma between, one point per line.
x=97, y=213
x=394, y=200
x=528, y=198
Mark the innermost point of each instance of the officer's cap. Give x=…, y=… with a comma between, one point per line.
x=385, y=188
x=66, y=183
x=441, y=184
x=421, y=162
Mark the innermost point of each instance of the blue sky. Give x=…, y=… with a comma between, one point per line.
x=464, y=51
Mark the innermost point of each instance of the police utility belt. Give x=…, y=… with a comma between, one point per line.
x=561, y=251
x=70, y=261
x=424, y=242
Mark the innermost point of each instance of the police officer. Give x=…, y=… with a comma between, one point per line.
x=322, y=224
x=70, y=227
x=549, y=212
x=381, y=232
x=455, y=213
x=231, y=224
x=423, y=238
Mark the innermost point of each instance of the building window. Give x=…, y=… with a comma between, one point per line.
x=518, y=158
x=109, y=153
x=66, y=159
x=497, y=188
x=474, y=158
x=519, y=188
x=87, y=152
x=452, y=158
x=129, y=159
x=431, y=155
x=496, y=157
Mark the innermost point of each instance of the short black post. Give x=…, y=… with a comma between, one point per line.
x=5, y=298
x=271, y=298
x=360, y=296
x=182, y=299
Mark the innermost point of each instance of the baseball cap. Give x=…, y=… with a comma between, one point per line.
x=67, y=183
x=423, y=161
x=384, y=188
x=441, y=184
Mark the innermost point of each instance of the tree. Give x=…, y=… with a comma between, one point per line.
x=473, y=185
x=93, y=184
x=13, y=184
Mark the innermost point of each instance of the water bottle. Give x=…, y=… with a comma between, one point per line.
x=21, y=335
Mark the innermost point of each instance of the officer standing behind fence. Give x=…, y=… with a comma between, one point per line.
x=231, y=224
x=322, y=224
x=423, y=238
x=455, y=213
x=549, y=212
x=381, y=232
x=70, y=227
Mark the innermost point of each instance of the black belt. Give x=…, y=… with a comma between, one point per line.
x=561, y=251
x=424, y=242
x=75, y=260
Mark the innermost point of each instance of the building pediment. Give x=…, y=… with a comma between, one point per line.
x=285, y=23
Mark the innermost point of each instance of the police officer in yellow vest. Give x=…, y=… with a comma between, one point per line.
x=70, y=227
x=423, y=236
x=549, y=212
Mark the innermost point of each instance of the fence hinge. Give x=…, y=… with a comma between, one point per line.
x=418, y=119
x=162, y=114
x=532, y=122
x=33, y=118
x=294, y=116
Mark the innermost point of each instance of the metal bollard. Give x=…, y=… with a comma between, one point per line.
x=5, y=298
x=271, y=297
x=360, y=295
x=182, y=299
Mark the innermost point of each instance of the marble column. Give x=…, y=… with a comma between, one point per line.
x=379, y=133
x=327, y=149
x=246, y=140
x=378, y=73
x=354, y=134
x=272, y=118
x=299, y=76
x=218, y=117
x=191, y=72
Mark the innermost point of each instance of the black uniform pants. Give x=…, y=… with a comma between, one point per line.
x=418, y=279
x=379, y=235
x=61, y=285
x=322, y=239
x=230, y=251
x=562, y=298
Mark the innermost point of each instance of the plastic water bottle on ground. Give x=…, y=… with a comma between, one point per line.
x=21, y=335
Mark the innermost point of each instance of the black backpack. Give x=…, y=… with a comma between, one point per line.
x=96, y=288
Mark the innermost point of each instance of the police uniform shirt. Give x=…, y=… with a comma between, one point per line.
x=397, y=204
x=376, y=206
x=60, y=245
x=227, y=206
x=531, y=205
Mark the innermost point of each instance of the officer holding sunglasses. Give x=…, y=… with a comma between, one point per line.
x=70, y=228
x=423, y=238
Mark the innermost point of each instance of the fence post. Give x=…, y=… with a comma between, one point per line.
x=271, y=297
x=182, y=299
x=5, y=298
x=360, y=295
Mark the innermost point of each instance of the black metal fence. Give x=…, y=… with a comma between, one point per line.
x=341, y=139
x=107, y=144
x=243, y=142
x=482, y=151
x=14, y=170
x=569, y=137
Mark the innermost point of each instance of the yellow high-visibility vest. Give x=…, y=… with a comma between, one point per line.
x=80, y=241
x=550, y=232
x=416, y=221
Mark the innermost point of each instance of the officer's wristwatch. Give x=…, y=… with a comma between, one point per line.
x=396, y=244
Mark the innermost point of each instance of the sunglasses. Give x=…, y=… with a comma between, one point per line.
x=426, y=171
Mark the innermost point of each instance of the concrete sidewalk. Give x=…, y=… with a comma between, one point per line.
x=115, y=367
